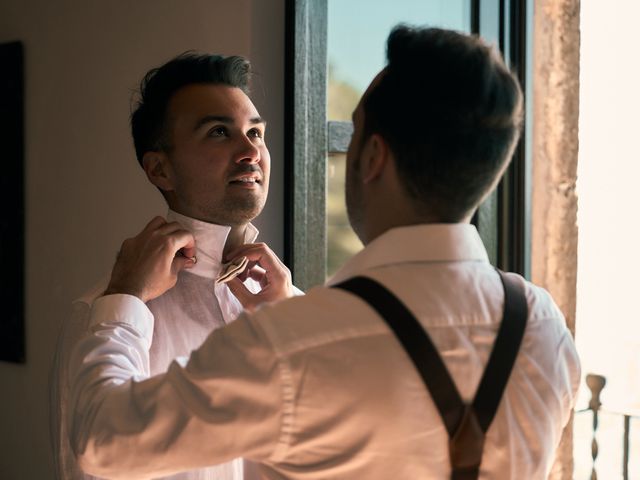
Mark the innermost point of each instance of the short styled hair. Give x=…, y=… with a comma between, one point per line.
x=149, y=122
x=450, y=111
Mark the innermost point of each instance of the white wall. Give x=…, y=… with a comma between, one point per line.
x=267, y=60
x=85, y=191
x=607, y=327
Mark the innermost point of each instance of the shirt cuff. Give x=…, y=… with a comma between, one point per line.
x=123, y=309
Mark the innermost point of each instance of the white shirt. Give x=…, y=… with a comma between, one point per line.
x=185, y=315
x=317, y=387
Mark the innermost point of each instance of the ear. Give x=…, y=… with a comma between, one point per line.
x=158, y=169
x=375, y=158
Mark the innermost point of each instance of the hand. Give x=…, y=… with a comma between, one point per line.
x=264, y=267
x=148, y=264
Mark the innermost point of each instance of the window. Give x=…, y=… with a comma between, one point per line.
x=334, y=49
x=356, y=53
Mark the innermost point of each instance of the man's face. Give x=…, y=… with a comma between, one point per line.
x=218, y=161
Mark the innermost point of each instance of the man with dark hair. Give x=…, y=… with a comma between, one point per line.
x=201, y=142
x=443, y=368
x=450, y=134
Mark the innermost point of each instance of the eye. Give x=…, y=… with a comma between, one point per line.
x=255, y=132
x=218, y=132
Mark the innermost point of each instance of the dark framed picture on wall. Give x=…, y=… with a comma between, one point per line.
x=12, y=330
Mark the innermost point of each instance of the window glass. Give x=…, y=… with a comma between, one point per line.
x=341, y=241
x=357, y=33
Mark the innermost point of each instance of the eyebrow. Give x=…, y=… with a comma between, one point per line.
x=224, y=119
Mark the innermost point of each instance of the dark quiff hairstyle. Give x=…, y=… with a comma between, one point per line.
x=450, y=111
x=149, y=121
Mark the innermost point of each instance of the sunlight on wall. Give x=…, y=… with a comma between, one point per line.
x=608, y=330
x=607, y=323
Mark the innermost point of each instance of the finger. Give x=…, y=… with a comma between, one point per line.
x=181, y=263
x=260, y=254
x=154, y=224
x=170, y=227
x=184, y=242
x=258, y=274
x=174, y=228
x=242, y=293
x=237, y=251
x=189, y=253
x=242, y=250
x=250, y=264
x=243, y=275
x=254, y=272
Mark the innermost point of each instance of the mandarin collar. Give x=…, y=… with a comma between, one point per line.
x=451, y=242
x=210, y=240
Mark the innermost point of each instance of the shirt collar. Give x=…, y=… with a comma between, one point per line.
x=210, y=240
x=453, y=242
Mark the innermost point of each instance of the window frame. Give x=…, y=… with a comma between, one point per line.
x=305, y=140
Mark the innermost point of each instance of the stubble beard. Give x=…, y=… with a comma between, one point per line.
x=235, y=210
x=243, y=209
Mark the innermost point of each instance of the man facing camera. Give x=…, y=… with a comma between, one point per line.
x=201, y=142
x=418, y=359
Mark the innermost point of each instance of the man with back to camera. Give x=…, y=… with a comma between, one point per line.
x=201, y=142
x=319, y=387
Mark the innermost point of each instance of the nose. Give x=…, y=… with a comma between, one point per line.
x=248, y=151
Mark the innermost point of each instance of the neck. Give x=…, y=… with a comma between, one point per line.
x=377, y=227
x=382, y=220
x=235, y=235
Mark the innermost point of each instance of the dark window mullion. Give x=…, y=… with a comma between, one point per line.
x=485, y=22
x=503, y=220
x=515, y=191
x=306, y=140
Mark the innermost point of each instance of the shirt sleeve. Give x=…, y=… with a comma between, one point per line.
x=225, y=403
x=71, y=331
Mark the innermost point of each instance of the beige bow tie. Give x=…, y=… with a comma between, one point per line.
x=232, y=269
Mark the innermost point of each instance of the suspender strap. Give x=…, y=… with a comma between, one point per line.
x=465, y=424
x=416, y=343
x=504, y=353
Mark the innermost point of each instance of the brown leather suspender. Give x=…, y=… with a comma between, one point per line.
x=466, y=424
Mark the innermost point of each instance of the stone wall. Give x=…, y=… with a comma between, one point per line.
x=555, y=157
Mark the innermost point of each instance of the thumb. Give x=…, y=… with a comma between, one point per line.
x=242, y=293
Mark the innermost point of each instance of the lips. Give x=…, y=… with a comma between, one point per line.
x=247, y=180
x=246, y=177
